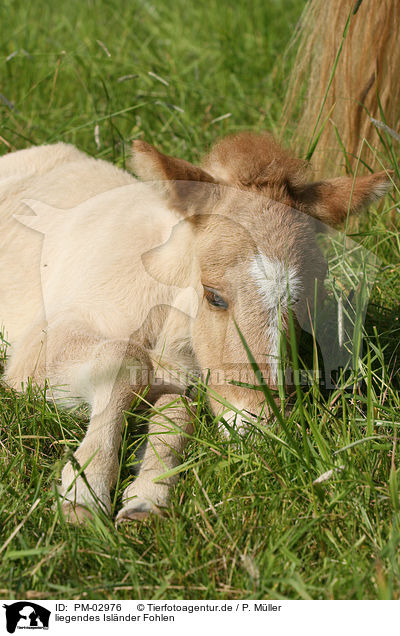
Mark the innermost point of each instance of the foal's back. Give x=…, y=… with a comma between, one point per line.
x=60, y=176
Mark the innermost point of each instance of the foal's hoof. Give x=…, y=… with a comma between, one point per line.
x=131, y=514
x=76, y=514
x=138, y=511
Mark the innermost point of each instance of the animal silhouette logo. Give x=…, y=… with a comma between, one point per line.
x=26, y=615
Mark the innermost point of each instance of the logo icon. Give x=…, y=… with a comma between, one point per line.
x=26, y=615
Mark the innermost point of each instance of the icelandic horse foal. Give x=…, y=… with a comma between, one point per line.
x=125, y=282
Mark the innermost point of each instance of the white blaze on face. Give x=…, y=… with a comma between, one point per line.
x=278, y=284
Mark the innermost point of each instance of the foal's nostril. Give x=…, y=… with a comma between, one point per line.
x=242, y=422
x=249, y=415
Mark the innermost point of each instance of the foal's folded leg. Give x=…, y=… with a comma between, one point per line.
x=107, y=374
x=167, y=437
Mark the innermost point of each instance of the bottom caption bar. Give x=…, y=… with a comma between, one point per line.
x=175, y=617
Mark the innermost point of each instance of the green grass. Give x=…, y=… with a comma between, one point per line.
x=246, y=519
x=163, y=71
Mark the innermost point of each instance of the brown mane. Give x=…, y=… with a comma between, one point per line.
x=257, y=162
x=248, y=160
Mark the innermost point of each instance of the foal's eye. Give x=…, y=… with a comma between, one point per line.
x=213, y=298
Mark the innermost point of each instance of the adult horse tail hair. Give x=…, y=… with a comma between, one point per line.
x=344, y=88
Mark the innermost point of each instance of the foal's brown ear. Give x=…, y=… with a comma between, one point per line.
x=331, y=200
x=180, y=180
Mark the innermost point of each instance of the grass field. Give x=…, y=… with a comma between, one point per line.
x=246, y=520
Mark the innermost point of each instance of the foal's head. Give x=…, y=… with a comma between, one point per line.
x=254, y=217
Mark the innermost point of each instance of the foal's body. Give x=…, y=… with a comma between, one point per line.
x=123, y=284
x=93, y=322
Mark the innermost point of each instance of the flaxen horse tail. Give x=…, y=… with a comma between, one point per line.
x=346, y=81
